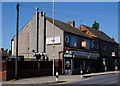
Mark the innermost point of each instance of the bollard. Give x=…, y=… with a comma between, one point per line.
x=81, y=73
x=105, y=68
x=56, y=75
x=116, y=68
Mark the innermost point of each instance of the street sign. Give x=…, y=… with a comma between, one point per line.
x=84, y=44
x=68, y=55
x=113, y=53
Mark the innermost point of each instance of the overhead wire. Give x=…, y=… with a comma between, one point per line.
x=27, y=6
x=44, y=8
x=58, y=11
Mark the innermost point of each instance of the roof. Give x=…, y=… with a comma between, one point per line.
x=67, y=28
x=101, y=35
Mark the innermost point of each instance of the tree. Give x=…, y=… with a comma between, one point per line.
x=96, y=25
x=6, y=50
x=2, y=49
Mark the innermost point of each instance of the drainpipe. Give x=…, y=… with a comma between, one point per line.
x=43, y=31
x=12, y=40
x=36, y=30
x=37, y=53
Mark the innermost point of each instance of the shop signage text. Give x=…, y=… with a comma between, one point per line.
x=56, y=40
x=85, y=54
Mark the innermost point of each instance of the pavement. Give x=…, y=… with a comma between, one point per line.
x=101, y=73
x=52, y=79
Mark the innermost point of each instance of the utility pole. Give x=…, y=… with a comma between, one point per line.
x=17, y=27
x=53, y=41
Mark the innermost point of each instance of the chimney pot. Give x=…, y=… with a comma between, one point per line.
x=113, y=38
x=72, y=23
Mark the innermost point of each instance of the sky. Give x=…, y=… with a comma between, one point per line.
x=60, y=0
x=105, y=13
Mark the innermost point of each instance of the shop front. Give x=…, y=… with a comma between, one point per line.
x=77, y=61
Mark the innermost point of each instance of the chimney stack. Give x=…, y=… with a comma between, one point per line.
x=72, y=23
x=113, y=38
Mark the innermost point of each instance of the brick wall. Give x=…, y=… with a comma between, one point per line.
x=25, y=69
x=3, y=71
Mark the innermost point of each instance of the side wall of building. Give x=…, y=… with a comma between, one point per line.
x=52, y=50
x=27, y=39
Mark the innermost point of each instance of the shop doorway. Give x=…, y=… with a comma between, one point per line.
x=68, y=65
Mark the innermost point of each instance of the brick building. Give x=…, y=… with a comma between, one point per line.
x=106, y=46
x=62, y=42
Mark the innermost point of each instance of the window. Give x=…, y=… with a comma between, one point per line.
x=97, y=46
x=119, y=53
x=67, y=39
x=104, y=47
x=115, y=50
x=92, y=44
x=73, y=41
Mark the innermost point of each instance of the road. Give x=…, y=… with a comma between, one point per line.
x=102, y=80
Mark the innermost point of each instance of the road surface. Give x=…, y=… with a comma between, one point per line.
x=102, y=80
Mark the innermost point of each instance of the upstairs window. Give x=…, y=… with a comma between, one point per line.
x=115, y=49
x=97, y=46
x=119, y=53
x=73, y=41
x=67, y=39
x=92, y=44
x=104, y=48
